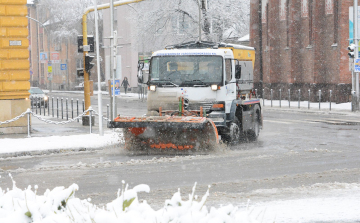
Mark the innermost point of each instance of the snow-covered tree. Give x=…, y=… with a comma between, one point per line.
x=62, y=18
x=163, y=22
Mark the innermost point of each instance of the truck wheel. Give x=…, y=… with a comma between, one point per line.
x=254, y=133
x=234, y=134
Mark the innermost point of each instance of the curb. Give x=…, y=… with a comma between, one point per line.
x=53, y=151
x=43, y=152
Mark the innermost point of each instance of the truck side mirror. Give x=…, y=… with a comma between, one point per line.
x=237, y=71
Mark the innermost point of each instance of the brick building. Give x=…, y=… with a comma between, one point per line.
x=57, y=50
x=302, y=44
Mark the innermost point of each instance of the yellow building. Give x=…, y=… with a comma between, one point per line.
x=14, y=65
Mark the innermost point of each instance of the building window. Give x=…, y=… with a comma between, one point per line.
x=79, y=63
x=310, y=21
x=304, y=8
x=283, y=10
x=329, y=7
x=264, y=11
x=42, y=74
x=41, y=35
x=288, y=23
x=336, y=17
x=267, y=25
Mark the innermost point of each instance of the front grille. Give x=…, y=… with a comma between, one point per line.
x=196, y=106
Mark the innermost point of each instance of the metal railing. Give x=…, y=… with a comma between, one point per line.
x=28, y=112
x=59, y=107
x=298, y=96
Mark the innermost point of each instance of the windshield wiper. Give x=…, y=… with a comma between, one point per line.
x=165, y=83
x=202, y=83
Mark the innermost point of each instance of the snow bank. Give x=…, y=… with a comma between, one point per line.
x=9, y=145
x=61, y=205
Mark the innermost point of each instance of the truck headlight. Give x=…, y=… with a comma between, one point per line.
x=214, y=87
x=152, y=88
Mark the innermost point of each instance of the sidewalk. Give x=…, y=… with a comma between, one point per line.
x=336, y=109
x=55, y=138
x=73, y=136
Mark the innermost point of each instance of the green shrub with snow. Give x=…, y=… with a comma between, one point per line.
x=61, y=205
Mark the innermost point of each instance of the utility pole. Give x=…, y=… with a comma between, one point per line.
x=356, y=56
x=112, y=61
x=101, y=131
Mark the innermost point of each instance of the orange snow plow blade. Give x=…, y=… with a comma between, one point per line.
x=167, y=132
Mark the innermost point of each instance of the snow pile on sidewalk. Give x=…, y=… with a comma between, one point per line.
x=61, y=205
x=88, y=141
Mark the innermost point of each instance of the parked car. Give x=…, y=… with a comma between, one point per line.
x=38, y=97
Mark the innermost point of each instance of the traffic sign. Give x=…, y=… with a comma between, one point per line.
x=50, y=69
x=117, y=87
x=55, y=57
x=357, y=65
x=63, y=66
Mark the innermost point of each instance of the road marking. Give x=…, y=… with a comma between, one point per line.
x=336, y=121
x=289, y=121
x=300, y=121
x=315, y=121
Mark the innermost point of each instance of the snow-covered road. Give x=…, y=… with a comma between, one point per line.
x=302, y=169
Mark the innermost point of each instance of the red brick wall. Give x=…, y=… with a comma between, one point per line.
x=297, y=63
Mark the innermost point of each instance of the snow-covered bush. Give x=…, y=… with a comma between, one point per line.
x=61, y=205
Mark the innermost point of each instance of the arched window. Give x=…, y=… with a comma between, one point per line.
x=310, y=4
x=336, y=17
x=288, y=23
x=267, y=25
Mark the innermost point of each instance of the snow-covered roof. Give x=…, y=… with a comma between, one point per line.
x=238, y=46
x=190, y=52
x=244, y=38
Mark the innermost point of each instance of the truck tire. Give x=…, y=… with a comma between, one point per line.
x=254, y=133
x=233, y=136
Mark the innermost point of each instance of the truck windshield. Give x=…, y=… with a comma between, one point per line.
x=186, y=70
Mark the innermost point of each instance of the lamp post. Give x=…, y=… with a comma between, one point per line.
x=356, y=56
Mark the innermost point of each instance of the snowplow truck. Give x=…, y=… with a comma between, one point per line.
x=196, y=93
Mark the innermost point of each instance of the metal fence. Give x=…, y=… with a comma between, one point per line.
x=297, y=96
x=28, y=112
x=60, y=107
